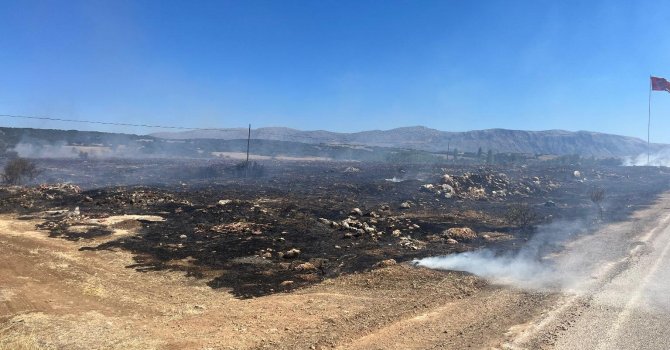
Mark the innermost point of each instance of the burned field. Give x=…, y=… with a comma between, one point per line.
x=288, y=225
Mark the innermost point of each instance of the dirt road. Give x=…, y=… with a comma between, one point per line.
x=626, y=305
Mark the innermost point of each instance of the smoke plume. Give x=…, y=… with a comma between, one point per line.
x=659, y=158
x=540, y=264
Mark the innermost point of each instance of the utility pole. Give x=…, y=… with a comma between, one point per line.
x=246, y=173
x=448, y=144
x=649, y=122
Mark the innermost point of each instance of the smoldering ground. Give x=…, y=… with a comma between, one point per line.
x=655, y=158
x=548, y=261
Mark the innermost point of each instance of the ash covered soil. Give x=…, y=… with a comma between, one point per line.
x=192, y=254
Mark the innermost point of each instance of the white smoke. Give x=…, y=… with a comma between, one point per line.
x=395, y=179
x=505, y=269
x=43, y=150
x=34, y=148
x=659, y=158
x=537, y=265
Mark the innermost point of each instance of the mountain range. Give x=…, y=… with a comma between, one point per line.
x=559, y=142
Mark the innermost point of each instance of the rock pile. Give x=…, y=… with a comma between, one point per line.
x=486, y=185
x=373, y=225
x=460, y=234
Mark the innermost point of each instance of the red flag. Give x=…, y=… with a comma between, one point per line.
x=660, y=84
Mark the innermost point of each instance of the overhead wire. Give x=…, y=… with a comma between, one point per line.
x=106, y=123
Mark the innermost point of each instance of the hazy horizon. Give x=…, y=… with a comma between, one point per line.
x=159, y=131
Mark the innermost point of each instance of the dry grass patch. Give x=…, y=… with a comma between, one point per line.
x=13, y=340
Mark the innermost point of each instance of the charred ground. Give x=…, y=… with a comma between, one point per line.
x=297, y=224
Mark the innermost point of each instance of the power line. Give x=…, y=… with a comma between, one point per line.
x=106, y=123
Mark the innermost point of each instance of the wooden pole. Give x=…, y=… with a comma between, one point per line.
x=649, y=123
x=248, y=143
x=448, y=144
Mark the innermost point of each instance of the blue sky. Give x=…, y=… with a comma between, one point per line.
x=337, y=65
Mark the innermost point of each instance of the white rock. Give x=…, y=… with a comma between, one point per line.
x=292, y=253
x=324, y=221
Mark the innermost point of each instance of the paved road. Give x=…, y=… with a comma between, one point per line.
x=616, y=289
x=631, y=310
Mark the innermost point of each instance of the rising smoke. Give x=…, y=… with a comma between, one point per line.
x=505, y=269
x=58, y=150
x=659, y=158
x=541, y=263
x=109, y=147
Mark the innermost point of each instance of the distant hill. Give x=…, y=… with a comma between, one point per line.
x=51, y=143
x=557, y=142
x=284, y=142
